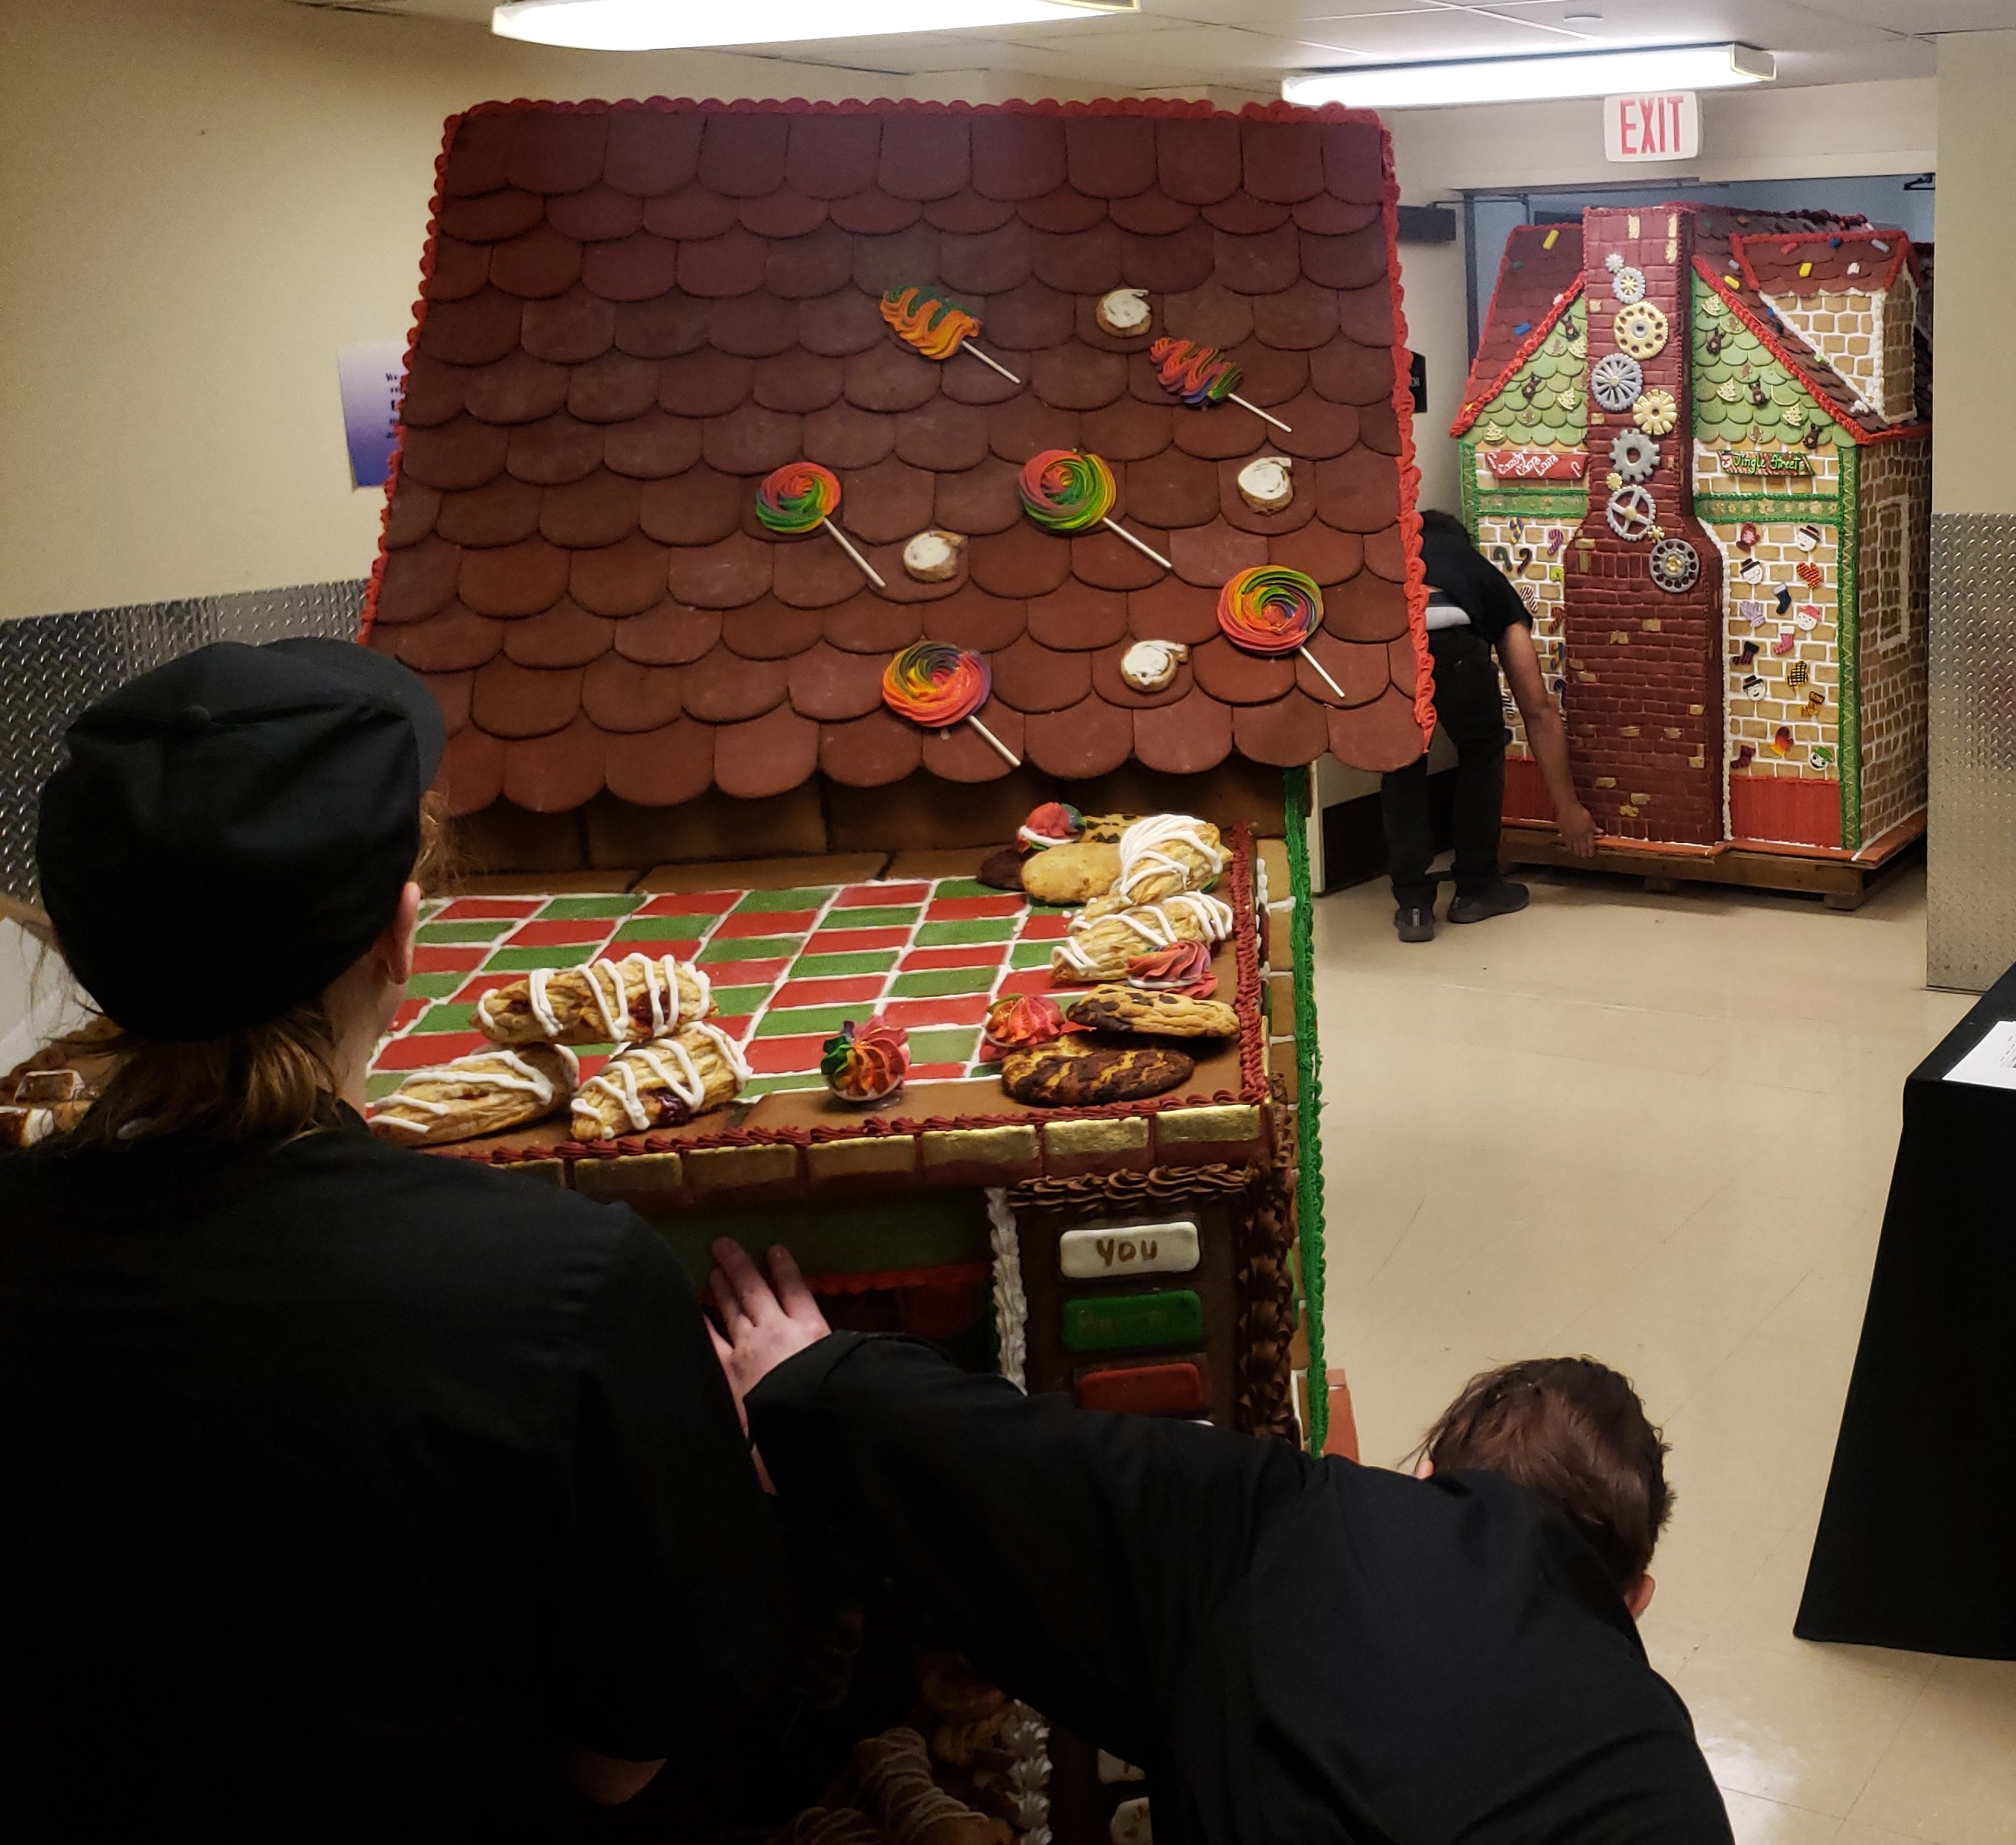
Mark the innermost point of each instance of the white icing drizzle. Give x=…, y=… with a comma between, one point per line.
x=608, y=986
x=1154, y=924
x=618, y=1077
x=479, y=1071
x=1011, y=1305
x=1141, y=854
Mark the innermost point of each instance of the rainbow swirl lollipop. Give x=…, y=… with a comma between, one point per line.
x=1270, y=609
x=936, y=685
x=1200, y=376
x=1065, y=492
x=801, y=496
x=936, y=326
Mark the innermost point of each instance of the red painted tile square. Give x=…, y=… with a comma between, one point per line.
x=1027, y=979
x=409, y=1010
x=840, y=990
x=868, y=897
x=849, y=941
x=562, y=929
x=762, y=922
x=591, y=1061
x=937, y=1073
x=961, y=909
x=743, y=973
x=784, y=1056
x=472, y=909
x=417, y=1053
x=455, y=960
x=973, y=955
x=692, y=902
x=961, y=1009
x=1045, y=929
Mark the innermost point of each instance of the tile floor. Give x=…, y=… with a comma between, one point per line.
x=1659, y=1130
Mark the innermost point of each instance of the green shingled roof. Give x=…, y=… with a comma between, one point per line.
x=1547, y=400
x=1729, y=378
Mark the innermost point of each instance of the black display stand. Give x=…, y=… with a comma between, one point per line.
x=1922, y=1504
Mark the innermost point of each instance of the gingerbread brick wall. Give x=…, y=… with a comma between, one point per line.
x=1644, y=695
x=1530, y=551
x=1868, y=337
x=1895, y=591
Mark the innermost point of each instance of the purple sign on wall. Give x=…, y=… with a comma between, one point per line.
x=369, y=375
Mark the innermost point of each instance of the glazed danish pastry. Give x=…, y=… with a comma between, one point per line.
x=484, y=1092
x=618, y=1002
x=659, y=1085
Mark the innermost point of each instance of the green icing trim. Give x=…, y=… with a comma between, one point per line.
x=1527, y=503
x=1308, y=1105
x=1721, y=508
x=1847, y=650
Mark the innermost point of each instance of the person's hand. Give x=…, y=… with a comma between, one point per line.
x=1578, y=831
x=764, y=1324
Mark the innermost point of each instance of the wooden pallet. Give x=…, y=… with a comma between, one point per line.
x=1841, y=880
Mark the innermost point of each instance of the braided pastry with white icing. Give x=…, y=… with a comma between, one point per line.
x=1159, y=857
x=626, y=1001
x=659, y=1084
x=1102, y=950
x=484, y=1092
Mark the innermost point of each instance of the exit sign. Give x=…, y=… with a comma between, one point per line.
x=1664, y=126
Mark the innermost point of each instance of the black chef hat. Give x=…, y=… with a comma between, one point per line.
x=232, y=830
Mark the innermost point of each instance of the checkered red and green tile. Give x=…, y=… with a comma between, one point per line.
x=788, y=966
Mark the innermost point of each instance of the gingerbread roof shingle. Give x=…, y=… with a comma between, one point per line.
x=631, y=313
x=1539, y=275
x=1840, y=260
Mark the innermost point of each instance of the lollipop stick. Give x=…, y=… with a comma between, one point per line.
x=1001, y=748
x=968, y=346
x=867, y=569
x=1262, y=415
x=1321, y=674
x=1145, y=550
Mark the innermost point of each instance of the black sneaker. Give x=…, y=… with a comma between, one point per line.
x=1501, y=899
x=1414, y=922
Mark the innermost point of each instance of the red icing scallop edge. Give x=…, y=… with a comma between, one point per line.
x=1474, y=407
x=1253, y=1086
x=1410, y=472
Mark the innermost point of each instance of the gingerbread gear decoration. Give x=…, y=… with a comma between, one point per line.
x=1628, y=286
x=1640, y=330
x=1675, y=564
x=1656, y=412
x=1630, y=512
x=1616, y=380
x=1635, y=456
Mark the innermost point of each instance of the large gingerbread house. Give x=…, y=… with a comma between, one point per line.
x=667, y=731
x=1698, y=440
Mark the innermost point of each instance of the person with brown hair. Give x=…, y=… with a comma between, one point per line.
x=1292, y=1647
x=351, y=1493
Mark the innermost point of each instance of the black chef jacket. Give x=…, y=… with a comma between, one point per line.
x=341, y=1486
x=1456, y=566
x=1295, y=1649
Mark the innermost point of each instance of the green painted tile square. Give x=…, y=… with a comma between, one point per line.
x=522, y=960
x=445, y=1018
x=770, y=1085
x=587, y=908
x=486, y=929
x=882, y=916
x=664, y=928
x=804, y=1021
x=969, y=930
x=739, y=1002
x=944, y=1044
x=1025, y=954
x=936, y=983
x=434, y=985
x=964, y=887
x=752, y=948
x=381, y=1083
x=809, y=898
x=865, y=961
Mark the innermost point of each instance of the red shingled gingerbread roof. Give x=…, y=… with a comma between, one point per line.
x=1842, y=259
x=633, y=312
x=1539, y=275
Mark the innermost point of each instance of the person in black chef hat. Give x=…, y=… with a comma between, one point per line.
x=350, y=1492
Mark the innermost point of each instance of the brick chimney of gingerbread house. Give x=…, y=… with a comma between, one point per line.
x=1644, y=693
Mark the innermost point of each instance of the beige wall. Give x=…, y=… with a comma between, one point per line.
x=203, y=200
x=1972, y=468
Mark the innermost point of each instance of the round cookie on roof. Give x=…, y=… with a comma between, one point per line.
x=1264, y=483
x=933, y=556
x=1124, y=312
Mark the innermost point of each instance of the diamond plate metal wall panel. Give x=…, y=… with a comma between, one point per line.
x=52, y=666
x=1971, y=890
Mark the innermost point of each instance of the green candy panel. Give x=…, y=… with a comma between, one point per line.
x=1130, y=1322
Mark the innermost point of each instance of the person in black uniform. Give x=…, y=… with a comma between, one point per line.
x=350, y=1493
x=1473, y=610
x=1293, y=1648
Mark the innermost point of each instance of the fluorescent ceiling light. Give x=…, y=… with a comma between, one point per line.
x=1535, y=79
x=666, y=25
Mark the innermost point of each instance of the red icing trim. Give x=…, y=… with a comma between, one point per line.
x=1800, y=367
x=1410, y=472
x=1474, y=407
x=1252, y=1072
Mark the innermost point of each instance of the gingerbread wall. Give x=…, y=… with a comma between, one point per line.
x=1895, y=580
x=1644, y=693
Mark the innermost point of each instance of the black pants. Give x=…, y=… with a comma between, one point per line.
x=1472, y=711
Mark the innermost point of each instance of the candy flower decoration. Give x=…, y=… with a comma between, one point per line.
x=1200, y=377
x=1054, y=823
x=868, y=1062
x=936, y=684
x=800, y=497
x=1018, y=1020
x=937, y=327
x=1065, y=490
x=1270, y=609
x=1185, y=969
